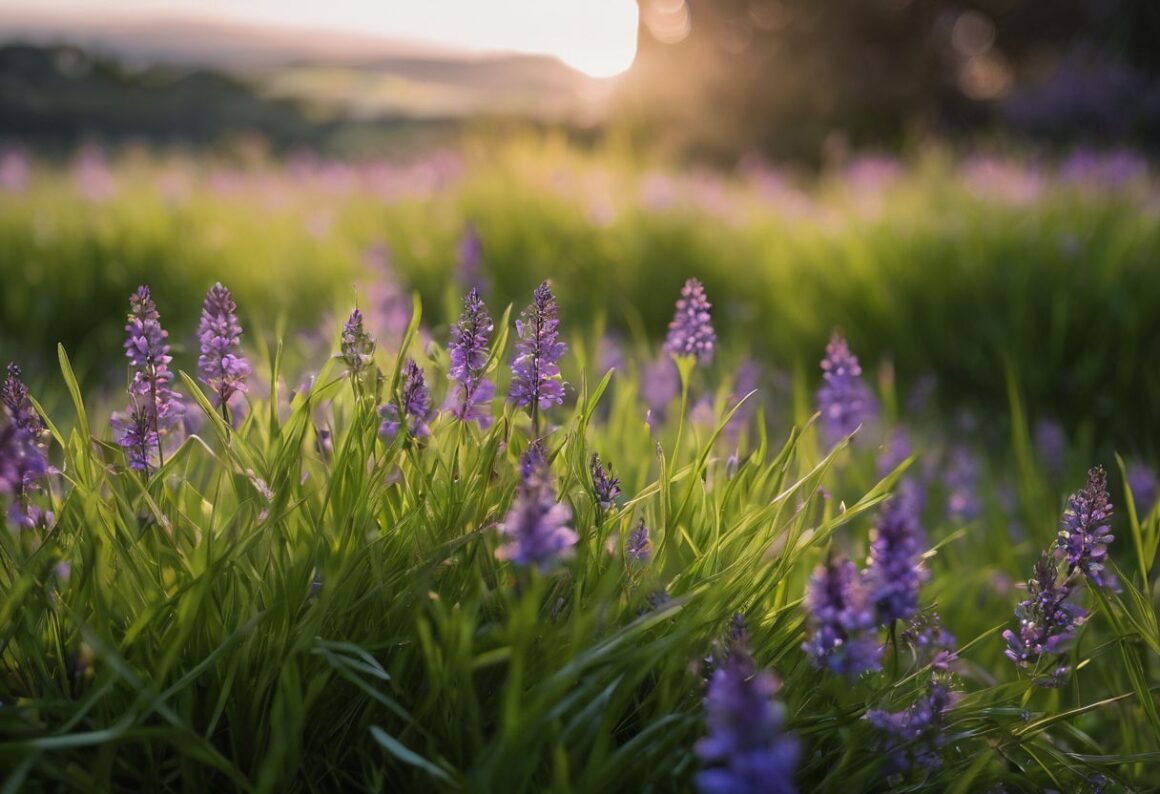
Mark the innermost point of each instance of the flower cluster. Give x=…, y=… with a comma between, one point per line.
x=221, y=366
x=22, y=466
x=1085, y=530
x=746, y=748
x=915, y=735
x=638, y=546
x=14, y=396
x=844, y=400
x=1048, y=621
x=895, y=572
x=155, y=407
x=470, y=398
x=357, y=348
x=843, y=629
x=535, y=529
x=691, y=330
x=536, y=383
x=411, y=410
x=605, y=486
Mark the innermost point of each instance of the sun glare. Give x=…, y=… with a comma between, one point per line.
x=608, y=47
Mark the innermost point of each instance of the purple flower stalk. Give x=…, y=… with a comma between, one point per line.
x=638, y=546
x=691, y=331
x=357, y=347
x=137, y=436
x=536, y=383
x=14, y=396
x=929, y=641
x=412, y=409
x=746, y=748
x=1086, y=531
x=535, y=529
x=844, y=400
x=1048, y=621
x=155, y=406
x=915, y=736
x=470, y=337
x=895, y=573
x=843, y=636
x=605, y=486
x=221, y=366
x=22, y=466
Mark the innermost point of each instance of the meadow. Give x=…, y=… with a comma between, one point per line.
x=579, y=530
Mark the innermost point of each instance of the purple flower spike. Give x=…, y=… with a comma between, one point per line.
x=1086, y=531
x=844, y=400
x=155, y=406
x=605, y=486
x=412, y=409
x=691, y=331
x=471, y=396
x=536, y=384
x=1048, y=622
x=895, y=573
x=535, y=529
x=137, y=435
x=221, y=366
x=915, y=736
x=843, y=635
x=638, y=546
x=22, y=466
x=746, y=748
x=14, y=396
x=357, y=348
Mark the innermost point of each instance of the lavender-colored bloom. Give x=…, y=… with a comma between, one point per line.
x=14, y=396
x=357, y=347
x=895, y=572
x=471, y=259
x=22, y=466
x=221, y=366
x=915, y=736
x=1085, y=530
x=638, y=546
x=148, y=354
x=691, y=331
x=843, y=637
x=536, y=384
x=844, y=399
x=137, y=435
x=1048, y=621
x=535, y=529
x=470, y=398
x=412, y=409
x=929, y=641
x=1143, y=485
x=605, y=486
x=1050, y=444
x=961, y=479
x=746, y=748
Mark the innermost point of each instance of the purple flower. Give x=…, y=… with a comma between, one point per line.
x=14, y=396
x=844, y=400
x=915, y=736
x=638, y=546
x=1085, y=530
x=1143, y=485
x=137, y=435
x=472, y=393
x=471, y=259
x=691, y=331
x=929, y=641
x=221, y=366
x=746, y=748
x=22, y=466
x=843, y=637
x=894, y=572
x=605, y=486
x=536, y=384
x=1048, y=622
x=961, y=479
x=412, y=408
x=357, y=347
x=155, y=407
x=535, y=529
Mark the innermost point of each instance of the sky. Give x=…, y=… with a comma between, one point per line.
x=598, y=37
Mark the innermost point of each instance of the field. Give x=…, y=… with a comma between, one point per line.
x=342, y=578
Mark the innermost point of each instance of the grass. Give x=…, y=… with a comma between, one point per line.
x=267, y=612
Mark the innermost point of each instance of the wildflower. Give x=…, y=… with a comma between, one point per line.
x=137, y=435
x=844, y=399
x=357, y=348
x=535, y=528
x=412, y=409
x=22, y=465
x=638, y=546
x=536, y=384
x=1143, y=485
x=471, y=258
x=1085, y=530
x=14, y=396
x=222, y=367
x=605, y=486
x=929, y=641
x=472, y=393
x=155, y=407
x=915, y=735
x=691, y=331
x=1047, y=620
x=746, y=748
x=842, y=622
x=894, y=571
x=961, y=479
